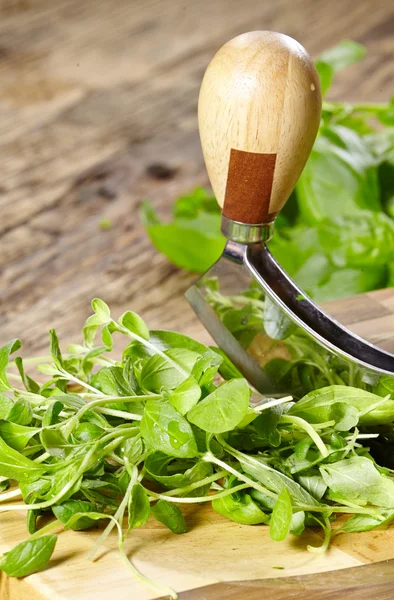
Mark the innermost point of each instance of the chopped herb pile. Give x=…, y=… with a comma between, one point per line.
x=119, y=439
x=335, y=236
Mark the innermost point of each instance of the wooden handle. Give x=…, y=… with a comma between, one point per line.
x=259, y=111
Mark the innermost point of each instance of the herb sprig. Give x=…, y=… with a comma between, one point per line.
x=117, y=440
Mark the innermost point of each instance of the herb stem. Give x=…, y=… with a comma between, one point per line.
x=302, y=424
x=10, y=495
x=209, y=457
x=193, y=500
x=197, y=484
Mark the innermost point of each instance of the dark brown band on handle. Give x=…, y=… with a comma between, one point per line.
x=249, y=185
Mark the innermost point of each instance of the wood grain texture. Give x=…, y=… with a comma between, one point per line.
x=98, y=110
x=260, y=94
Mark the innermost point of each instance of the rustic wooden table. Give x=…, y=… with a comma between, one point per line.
x=92, y=94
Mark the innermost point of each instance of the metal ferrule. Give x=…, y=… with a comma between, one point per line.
x=245, y=233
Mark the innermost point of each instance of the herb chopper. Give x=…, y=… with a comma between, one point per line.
x=259, y=113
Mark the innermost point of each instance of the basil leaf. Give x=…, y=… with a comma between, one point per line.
x=266, y=424
x=110, y=381
x=223, y=409
x=161, y=468
x=55, y=443
x=206, y=367
x=170, y=515
x=28, y=382
x=159, y=373
x=281, y=517
x=16, y=436
x=274, y=480
x=134, y=324
x=138, y=507
x=28, y=556
x=297, y=524
x=165, y=429
x=5, y=406
x=186, y=395
x=5, y=352
x=102, y=310
x=14, y=465
x=367, y=522
x=51, y=415
x=357, y=478
x=319, y=406
x=68, y=509
x=240, y=509
x=344, y=54
x=181, y=241
x=21, y=412
x=55, y=349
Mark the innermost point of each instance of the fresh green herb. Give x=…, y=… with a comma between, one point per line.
x=171, y=422
x=335, y=236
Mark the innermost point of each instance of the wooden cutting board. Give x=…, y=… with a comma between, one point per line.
x=224, y=558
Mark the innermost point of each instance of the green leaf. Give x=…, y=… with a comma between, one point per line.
x=16, y=436
x=197, y=200
x=297, y=524
x=274, y=480
x=266, y=424
x=170, y=515
x=159, y=373
x=321, y=405
x=138, y=507
x=87, y=432
x=357, y=478
x=223, y=409
x=28, y=556
x=172, y=474
x=21, y=412
x=206, y=367
x=326, y=73
x=344, y=54
x=51, y=415
x=164, y=429
x=14, y=465
x=186, y=395
x=5, y=352
x=333, y=185
x=5, y=406
x=111, y=381
x=55, y=348
x=134, y=324
x=167, y=340
x=31, y=521
x=367, y=522
x=106, y=337
x=102, y=310
x=28, y=382
x=55, y=443
x=282, y=513
x=133, y=449
x=240, y=509
x=182, y=240
x=313, y=483
x=68, y=509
